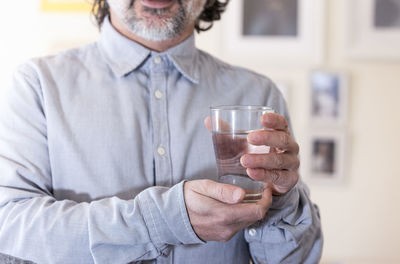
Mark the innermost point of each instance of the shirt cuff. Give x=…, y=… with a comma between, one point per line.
x=167, y=220
x=289, y=198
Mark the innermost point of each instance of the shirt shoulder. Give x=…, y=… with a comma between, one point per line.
x=225, y=69
x=255, y=87
x=63, y=63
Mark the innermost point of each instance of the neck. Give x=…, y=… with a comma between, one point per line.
x=158, y=46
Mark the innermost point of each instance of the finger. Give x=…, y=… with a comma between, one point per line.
x=277, y=161
x=275, y=121
x=281, y=180
x=273, y=138
x=207, y=123
x=266, y=199
x=217, y=124
x=249, y=213
x=219, y=191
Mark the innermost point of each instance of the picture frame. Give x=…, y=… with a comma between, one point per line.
x=328, y=97
x=303, y=45
x=373, y=29
x=65, y=6
x=326, y=156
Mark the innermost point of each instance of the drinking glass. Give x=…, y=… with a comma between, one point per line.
x=230, y=127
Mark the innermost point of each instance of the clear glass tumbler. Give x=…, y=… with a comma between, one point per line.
x=230, y=127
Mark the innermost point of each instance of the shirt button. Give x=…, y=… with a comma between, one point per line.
x=161, y=151
x=157, y=60
x=252, y=232
x=158, y=94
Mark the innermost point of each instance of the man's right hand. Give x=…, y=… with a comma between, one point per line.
x=216, y=212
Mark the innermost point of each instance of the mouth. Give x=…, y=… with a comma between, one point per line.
x=157, y=4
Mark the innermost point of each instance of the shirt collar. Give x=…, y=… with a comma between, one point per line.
x=183, y=56
x=124, y=55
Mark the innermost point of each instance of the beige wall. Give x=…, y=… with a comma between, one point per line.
x=360, y=218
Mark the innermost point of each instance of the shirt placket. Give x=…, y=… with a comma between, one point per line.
x=161, y=148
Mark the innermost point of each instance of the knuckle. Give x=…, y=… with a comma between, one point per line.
x=285, y=140
x=295, y=178
x=296, y=148
x=279, y=161
x=259, y=160
x=226, y=234
x=225, y=217
x=266, y=136
x=290, y=182
x=296, y=163
x=226, y=230
x=274, y=175
x=219, y=192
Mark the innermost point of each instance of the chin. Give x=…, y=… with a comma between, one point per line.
x=155, y=32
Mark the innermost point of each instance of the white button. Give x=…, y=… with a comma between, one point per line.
x=158, y=94
x=157, y=60
x=252, y=232
x=161, y=151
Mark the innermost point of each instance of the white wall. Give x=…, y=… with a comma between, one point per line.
x=26, y=32
x=361, y=218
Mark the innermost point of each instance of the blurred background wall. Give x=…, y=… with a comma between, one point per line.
x=361, y=216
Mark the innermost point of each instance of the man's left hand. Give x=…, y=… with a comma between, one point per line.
x=279, y=168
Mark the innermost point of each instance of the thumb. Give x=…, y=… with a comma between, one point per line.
x=219, y=124
x=225, y=193
x=207, y=123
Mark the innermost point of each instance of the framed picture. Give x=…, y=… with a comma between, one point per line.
x=373, y=29
x=328, y=98
x=66, y=5
x=326, y=157
x=275, y=31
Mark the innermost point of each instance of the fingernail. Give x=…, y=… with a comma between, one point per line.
x=248, y=171
x=252, y=172
x=243, y=161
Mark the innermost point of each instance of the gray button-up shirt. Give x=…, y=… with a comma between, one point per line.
x=95, y=144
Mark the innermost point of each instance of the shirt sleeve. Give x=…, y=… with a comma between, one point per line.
x=37, y=227
x=291, y=231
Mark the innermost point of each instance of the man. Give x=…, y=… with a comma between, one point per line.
x=104, y=157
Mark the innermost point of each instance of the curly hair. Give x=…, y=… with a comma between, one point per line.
x=212, y=12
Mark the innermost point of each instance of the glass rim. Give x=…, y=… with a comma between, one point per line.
x=241, y=107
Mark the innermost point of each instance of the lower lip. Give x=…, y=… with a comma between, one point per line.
x=157, y=3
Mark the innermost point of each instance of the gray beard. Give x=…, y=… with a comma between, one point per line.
x=163, y=29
